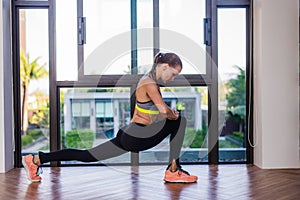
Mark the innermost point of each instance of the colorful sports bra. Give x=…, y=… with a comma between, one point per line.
x=147, y=107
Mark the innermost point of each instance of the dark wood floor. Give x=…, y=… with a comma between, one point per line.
x=145, y=182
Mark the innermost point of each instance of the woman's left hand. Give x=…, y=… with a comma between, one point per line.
x=176, y=114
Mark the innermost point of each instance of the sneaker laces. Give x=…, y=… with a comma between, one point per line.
x=180, y=171
x=39, y=170
x=39, y=167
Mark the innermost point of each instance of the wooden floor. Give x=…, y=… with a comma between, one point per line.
x=145, y=182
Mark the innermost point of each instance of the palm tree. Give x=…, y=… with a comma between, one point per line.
x=28, y=71
x=236, y=97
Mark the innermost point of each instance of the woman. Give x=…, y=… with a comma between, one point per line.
x=152, y=122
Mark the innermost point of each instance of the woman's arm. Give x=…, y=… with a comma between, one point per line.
x=155, y=96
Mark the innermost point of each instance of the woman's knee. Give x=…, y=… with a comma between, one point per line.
x=181, y=121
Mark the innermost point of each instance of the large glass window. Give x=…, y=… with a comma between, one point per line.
x=103, y=113
x=185, y=19
x=165, y=26
x=145, y=38
x=107, y=49
x=34, y=79
x=232, y=81
x=66, y=40
x=100, y=48
x=92, y=116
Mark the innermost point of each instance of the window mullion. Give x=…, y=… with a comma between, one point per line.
x=80, y=46
x=155, y=27
x=134, y=157
x=213, y=130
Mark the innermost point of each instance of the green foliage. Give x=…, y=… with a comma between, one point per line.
x=237, y=136
x=199, y=139
x=100, y=90
x=237, y=90
x=40, y=117
x=44, y=148
x=237, y=112
x=26, y=139
x=189, y=137
x=35, y=133
x=81, y=139
x=227, y=144
x=180, y=105
x=41, y=110
x=31, y=70
x=194, y=138
x=204, y=94
x=236, y=98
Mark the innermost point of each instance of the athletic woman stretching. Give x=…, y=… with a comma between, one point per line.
x=152, y=122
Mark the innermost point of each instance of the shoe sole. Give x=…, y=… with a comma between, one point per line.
x=27, y=171
x=179, y=181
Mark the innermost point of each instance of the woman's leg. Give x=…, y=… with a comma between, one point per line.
x=139, y=138
x=176, y=141
x=136, y=138
x=103, y=151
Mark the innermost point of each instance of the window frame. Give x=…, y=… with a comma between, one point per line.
x=209, y=79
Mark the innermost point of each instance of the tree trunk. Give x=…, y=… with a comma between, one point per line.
x=24, y=119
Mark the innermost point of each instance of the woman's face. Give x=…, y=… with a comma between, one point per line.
x=169, y=73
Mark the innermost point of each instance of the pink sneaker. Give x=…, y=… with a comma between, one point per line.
x=31, y=168
x=179, y=176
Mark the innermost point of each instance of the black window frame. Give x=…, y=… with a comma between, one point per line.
x=209, y=80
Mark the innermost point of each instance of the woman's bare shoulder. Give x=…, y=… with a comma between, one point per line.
x=146, y=82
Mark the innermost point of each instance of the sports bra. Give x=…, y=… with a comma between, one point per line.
x=147, y=107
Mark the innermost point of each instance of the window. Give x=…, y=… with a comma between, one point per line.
x=177, y=16
x=80, y=115
x=105, y=119
x=34, y=79
x=126, y=43
x=96, y=51
x=232, y=80
x=66, y=40
x=92, y=116
x=104, y=52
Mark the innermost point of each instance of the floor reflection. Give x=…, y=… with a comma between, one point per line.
x=32, y=191
x=175, y=189
x=55, y=176
x=213, y=175
x=135, y=182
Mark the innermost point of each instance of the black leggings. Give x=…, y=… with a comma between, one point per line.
x=133, y=137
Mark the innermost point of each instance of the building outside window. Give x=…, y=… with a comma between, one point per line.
x=105, y=116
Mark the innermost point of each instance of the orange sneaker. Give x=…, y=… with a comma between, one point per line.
x=179, y=176
x=31, y=168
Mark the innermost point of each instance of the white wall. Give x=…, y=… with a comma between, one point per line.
x=6, y=109
x=276, y=89
x=2, y=161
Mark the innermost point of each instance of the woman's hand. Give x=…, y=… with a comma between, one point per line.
x=176, y=113
x=173, y=115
